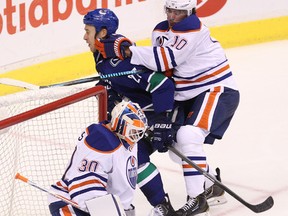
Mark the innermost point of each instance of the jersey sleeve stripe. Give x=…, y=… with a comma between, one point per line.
x=164, y=57
x=79, y=178
x=78, y=193
x=172, y=58
x=59, y=188
x=158, y=65
x=93, y=181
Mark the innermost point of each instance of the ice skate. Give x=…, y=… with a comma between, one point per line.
x=195, y=206
x=163, y=209
x=214, y=194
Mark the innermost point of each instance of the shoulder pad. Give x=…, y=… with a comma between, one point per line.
x=162, y=26
x=101, y=139
x=191, y=23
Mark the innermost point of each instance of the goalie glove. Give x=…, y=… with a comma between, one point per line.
x=162, y=133
x=130, y=211
x=113, y=47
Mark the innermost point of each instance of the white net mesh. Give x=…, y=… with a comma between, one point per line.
x=38, y=148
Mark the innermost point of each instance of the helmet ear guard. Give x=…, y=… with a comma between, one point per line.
x=128, y=121
x=186, y=5
x=102, y=18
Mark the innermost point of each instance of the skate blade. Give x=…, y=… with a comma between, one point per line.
x=204, y=213
x=217, y=200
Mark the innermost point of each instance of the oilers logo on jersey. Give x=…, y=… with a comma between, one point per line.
x=131, y=171
x=161, y=40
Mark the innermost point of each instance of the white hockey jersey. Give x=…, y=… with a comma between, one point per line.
x=100, y=164
x=198, y=60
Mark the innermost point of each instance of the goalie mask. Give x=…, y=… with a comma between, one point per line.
x=186, y=5
x=102, y=18
x=128, y=121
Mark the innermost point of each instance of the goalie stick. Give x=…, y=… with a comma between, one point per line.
x=64, y=199
x=29, y=86
x=92, y=204
x=261, y=207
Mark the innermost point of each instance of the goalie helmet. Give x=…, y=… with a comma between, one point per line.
x=186, y=5
x=102, y=18
x=128, y=121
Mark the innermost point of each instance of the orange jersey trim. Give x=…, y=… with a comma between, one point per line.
x=204, y=77
x=203, y=166
x=164, y=57
x=203, y=123
x=93, y=181
x=66, y=211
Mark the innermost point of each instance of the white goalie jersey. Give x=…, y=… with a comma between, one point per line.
x=198, y=61
x=101, y=164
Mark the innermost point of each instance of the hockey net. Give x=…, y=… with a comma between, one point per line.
x=38, y=133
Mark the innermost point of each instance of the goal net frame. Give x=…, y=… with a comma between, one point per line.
x=18, y=198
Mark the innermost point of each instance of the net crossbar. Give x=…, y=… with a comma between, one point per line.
x=38, y=132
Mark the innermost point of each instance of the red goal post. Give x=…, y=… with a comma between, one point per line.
x=38, y=132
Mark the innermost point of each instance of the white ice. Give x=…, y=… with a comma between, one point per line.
x=252, y=155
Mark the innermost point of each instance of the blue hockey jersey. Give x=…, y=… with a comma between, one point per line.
x=153, y=91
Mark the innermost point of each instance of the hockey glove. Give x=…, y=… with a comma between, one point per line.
x=113, y=47
x=162, y=133
x=130, y=211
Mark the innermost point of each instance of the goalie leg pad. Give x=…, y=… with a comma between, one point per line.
x=105, y=205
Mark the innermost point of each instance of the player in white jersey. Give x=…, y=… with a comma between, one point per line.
x=206, y=94
x=103, y=162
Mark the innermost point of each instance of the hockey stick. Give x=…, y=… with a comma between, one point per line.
x=261, y=207
x=29, y=86
x=18, y=83
x=96, y=78
x=68, y=201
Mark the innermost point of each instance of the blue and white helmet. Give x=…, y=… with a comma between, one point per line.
x=102, y=18
x=128, y=121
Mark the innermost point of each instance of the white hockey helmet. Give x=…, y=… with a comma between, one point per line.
x=187, y=5
x=128, y=121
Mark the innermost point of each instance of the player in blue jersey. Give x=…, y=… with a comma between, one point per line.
x=153, y=91
x=206, y=95
x=104, y=162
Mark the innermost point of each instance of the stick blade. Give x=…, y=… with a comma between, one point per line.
x=18, y=83
x=264, y=206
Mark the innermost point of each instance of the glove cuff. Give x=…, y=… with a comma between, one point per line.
x=119, y=47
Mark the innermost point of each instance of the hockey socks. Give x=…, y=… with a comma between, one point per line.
x=150, y=183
